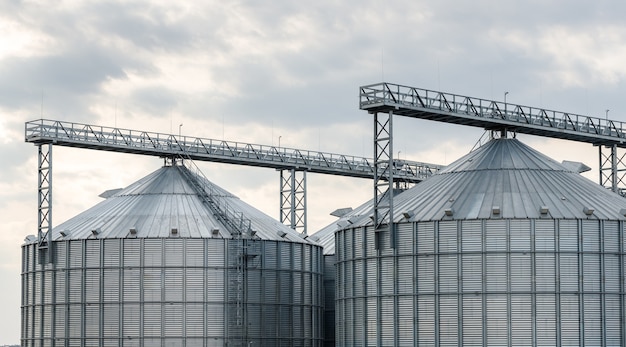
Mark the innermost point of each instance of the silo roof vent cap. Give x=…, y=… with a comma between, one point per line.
x=588, y=210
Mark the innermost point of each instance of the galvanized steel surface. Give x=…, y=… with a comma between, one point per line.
x=505, y=179
x=164, y=145
x=499, y=282
x=527, y=254
x=490, y=114
x=357, y=216
x=516, y=179
x=160, y=202
x=172, y=292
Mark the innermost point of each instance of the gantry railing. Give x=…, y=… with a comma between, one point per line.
x=490, y=114
x=166, y=145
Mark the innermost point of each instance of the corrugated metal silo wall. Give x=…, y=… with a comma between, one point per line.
x=173, y=292
x=483, y=283
x=329, y=300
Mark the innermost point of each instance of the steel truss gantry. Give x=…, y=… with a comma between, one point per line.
x=295, y=162
x=608, y=135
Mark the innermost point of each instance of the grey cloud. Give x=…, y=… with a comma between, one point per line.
x=157, y=101
x=63, y=83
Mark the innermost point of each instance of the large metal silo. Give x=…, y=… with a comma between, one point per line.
x=505, y=247
x=326, y=238
x=154, y=265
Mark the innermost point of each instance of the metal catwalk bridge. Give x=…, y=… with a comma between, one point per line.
x=490, y=115
x=292, y=163
x=79, y=135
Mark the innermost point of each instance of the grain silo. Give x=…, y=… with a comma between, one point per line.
x=326, y=238
x=173, y=260
x=505, y=247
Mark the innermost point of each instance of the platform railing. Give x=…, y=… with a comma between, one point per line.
x=395, y=95
x=159, y=144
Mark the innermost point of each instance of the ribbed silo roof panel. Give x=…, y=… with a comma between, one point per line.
x=162, y=201
x=508, y=177
x=511, y=177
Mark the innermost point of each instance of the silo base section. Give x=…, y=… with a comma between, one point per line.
x=173, y=292
x=483, y=283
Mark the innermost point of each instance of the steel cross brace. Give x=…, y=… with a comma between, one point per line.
x=44, y=202
x=383, y=177
x=612, y=168
x=293, y=199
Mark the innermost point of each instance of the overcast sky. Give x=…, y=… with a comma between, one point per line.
x=262, y=70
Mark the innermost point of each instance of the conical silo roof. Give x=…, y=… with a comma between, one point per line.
x=513, y=179
x=506, y=179
x=163, y=201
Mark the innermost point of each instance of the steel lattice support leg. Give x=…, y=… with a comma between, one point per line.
x=293, y=199
x=612, y=168
x=383, y=209
x=383, y=176
x=44, y=201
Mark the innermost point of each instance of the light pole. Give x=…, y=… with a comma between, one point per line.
x=279, y=140
x=180, y=126
x=505, y=94
x=607, y=114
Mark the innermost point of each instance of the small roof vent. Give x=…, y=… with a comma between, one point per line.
x=448, y=212
x=544, y=210
x=281, y=233
x=495, y=210
x=588, y=210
